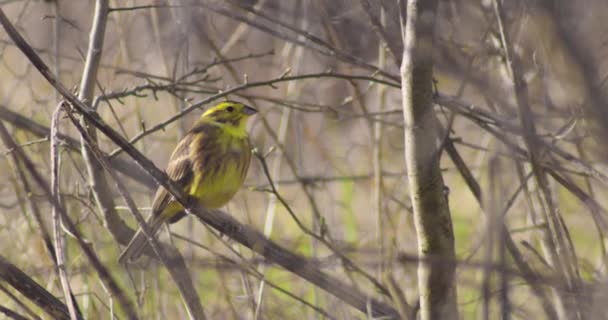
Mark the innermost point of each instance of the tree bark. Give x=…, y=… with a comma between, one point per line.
x=427, y=192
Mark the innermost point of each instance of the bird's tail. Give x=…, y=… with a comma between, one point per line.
x=139, y=242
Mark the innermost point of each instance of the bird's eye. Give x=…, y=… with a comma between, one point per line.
x=230, y=109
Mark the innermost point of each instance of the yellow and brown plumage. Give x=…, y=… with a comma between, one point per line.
x=210, y=163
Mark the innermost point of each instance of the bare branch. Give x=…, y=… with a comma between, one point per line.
x=58, y=233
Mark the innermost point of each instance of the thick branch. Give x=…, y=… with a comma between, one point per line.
x=32, y=290
x=431, y=212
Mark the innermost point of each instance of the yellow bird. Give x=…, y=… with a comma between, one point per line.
x=210, y=163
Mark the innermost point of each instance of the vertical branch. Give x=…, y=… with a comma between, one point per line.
x=490, y=236
x=379, y=25
x=58, y=233
x=502, y=237
x=97, y=179
x=96, y=39
x=165, y=56
x=395, y=48
x=57, y=44
x=495, y=240
x=431, y=212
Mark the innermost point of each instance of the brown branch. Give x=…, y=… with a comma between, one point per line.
x=11, y=314
x=32, y=290
x=297, y=264
x=19, y=303
x=249, y=266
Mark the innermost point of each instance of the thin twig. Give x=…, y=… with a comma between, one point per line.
x=58, y=234
x=559, y=254
x=249, y=85
x=319, y=237
x=124, y=166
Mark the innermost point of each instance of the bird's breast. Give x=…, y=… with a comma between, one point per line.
x=222, y=174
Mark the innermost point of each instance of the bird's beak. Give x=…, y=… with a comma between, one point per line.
x=249, y=111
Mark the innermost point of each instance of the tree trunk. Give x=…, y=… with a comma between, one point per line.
x=427, y=192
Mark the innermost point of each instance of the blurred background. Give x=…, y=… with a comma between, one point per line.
x=324, y=75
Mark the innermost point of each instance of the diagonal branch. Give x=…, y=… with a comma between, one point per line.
x=32, y=290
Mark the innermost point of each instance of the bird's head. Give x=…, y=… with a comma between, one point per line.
x=229, y=113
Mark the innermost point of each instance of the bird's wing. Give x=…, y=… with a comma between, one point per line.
x=179, y=170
